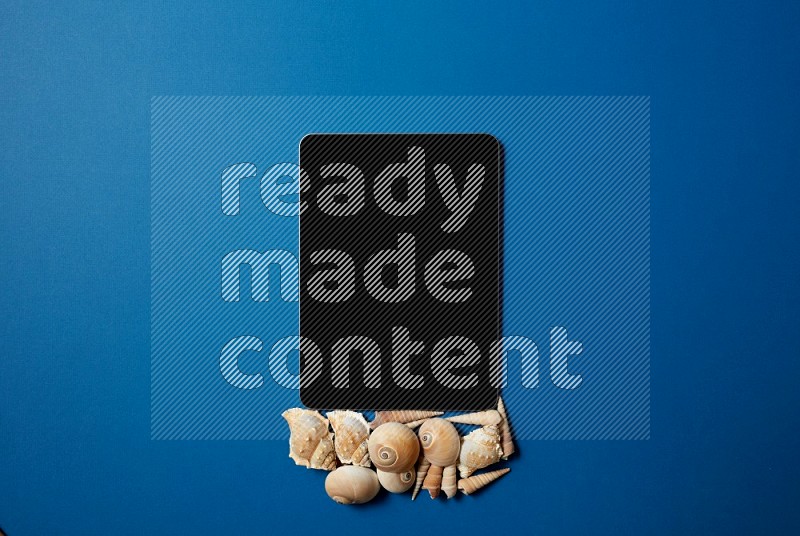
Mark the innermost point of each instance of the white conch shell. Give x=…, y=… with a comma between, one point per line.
x=440, y=442
x=476, y=482
x=402, y=416
x=310, y=444
x=479, y=449
x=397, y=482
x=393, y=447
x=505, y=430
x=422, y=471
x=433, y=480
x=351, y=484
x=483, y=418
x=351, y=432
x=449, y=481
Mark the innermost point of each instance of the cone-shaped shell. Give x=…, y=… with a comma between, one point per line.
x=351, y=432
x=479, y=449
x=482, y=418
x=310, y=443
x=351, y=484
x=422, y=471
x=449, y=481
x=476, y=482
x=433, y=481
x=393, y=447
x=506, y=439
x=397, y=482
x=440, y=442
x=402, y=416
x=414, y=424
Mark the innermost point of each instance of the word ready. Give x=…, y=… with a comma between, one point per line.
x=399, y=233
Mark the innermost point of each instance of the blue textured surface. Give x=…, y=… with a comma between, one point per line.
x=75, y=453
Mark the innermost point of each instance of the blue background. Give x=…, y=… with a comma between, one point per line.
x=75, y=453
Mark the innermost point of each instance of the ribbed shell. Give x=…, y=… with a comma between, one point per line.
x=433, y=481
x=449, y=486
x=351, y=432
x=476, y=482
x=310, y=443
x=479, y=449
x=422, y=471
x=506, y=438
x=482, y=418
x=403, y=416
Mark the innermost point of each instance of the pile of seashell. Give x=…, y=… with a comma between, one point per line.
x=403, y=459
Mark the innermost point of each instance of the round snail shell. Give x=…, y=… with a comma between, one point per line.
x=397, y=482
x=352, y=484
x=393, y=447
x=440, y=442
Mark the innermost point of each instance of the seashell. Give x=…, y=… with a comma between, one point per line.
x=449, y=481
x=397, y=482
x=351, y=432
x=351, y=484
x=422, y=471
x=382, y=417
x=505, y=430
x=414, y=424
x=440, y=442
x=310, y=443
x=393, y=447
x=474, y=483
x=433, y=481
x=483, y=418
x=479, y=449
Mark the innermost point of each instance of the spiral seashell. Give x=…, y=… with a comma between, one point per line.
x=433, y=481
x=506, y=438
x=479, y=449
x=397, y=482
x=351, y=484
x=482, y=418
x=449, y=481
x=474, y=483
x=440, y=442
x=310, y=442
x=393, y=447
x=351, y=432
x=382, y=417
x=422, y=471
